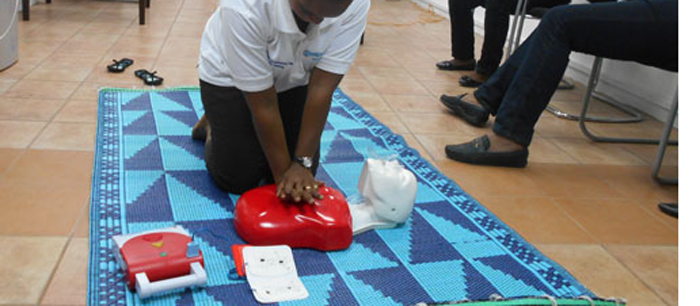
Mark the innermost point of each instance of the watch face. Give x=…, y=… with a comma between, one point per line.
x=306, y=162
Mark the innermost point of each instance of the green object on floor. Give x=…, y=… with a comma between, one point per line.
x=535, y=301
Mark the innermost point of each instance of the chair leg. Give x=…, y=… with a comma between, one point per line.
x=523, y=12
x=634, y=116
x=148, y=3
x=513, y=27
x=142, y=12
x=664, y=143
x=25, y=10
x=592, y=82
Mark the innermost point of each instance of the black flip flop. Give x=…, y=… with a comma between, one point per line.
x=150, y=78
x=120, y=65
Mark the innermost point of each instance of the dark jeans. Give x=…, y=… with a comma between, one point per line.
x=495, y=29
x=645, y=31
x=233, y=154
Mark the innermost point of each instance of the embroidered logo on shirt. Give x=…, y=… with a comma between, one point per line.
x=315, y=56
x=278, y=64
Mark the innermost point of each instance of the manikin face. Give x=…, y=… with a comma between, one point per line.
x=314, y=11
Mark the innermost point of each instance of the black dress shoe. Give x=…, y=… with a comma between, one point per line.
x=473, y=114
x=476, y=152
x=467, y=81
x=449, y=65
x=670, y=209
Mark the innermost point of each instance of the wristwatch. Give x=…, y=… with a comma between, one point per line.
x=304, y=161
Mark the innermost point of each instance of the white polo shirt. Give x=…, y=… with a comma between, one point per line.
x=255, y=44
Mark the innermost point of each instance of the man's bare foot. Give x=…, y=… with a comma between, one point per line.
x=201, y=129
x=502, y=144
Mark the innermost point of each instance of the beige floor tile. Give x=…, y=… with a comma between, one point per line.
x=370, y=101
x=67, y=136
x=434, y=123
x=537, y=219
x=69, y=284
x=7, y=157
x=183, y=47
x=414, y=103
x=372, y=73
x=435, y=75
x=657, y=267
x=435, y=144
x=82, y=226
x=545, y=151
x=450, y=88
x=652, y=206
x=406, y=86
x=141, y=45
x=29, y=109
x=552, y=127
x=648, y=153
x=391, y=120
x=33, y=209
x=187, y=29
x=84, y=111
x=6, y=84
x=18, y=134
x=356, y=85
x=635, y=182
x=75, y=74
x=19, y=70
x=569, y=181
x=53, y=168
x=374, y=57
x=618, y=221
x=482, y=181
x=589, y=152
x=601, y=272
x=33, y=89
x=90, y=90
x=27, y=266
x=173, y=76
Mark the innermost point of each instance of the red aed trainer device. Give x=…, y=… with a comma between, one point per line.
x=261, y=218
x=159, y=260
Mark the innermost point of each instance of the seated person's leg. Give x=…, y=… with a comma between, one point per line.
x=462, y=33
x=632, y=30
x=233, y=154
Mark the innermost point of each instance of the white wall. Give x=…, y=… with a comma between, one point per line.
x=648, y=89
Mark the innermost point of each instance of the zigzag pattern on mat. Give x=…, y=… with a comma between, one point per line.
x=150, y=174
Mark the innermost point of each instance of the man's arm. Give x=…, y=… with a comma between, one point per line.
x=318, y=102
x=299, y=182
x=267, y=121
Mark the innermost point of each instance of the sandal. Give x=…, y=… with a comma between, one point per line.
x=150, y=78
x=120, y=65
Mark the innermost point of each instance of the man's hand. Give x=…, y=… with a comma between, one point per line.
x=298, y=184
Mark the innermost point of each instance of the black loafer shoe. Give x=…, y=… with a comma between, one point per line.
x=466, y=81
x=475, y=152
x=670, y=209
x=473, y=114
x=449, y=65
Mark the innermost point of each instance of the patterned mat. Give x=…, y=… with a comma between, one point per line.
x=149, y=174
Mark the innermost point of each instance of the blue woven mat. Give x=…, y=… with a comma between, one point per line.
x=149, y=174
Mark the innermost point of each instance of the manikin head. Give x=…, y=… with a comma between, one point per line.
x=389, y=192
x=314, y=11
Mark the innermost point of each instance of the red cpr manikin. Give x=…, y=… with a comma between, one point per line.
x=261, y=218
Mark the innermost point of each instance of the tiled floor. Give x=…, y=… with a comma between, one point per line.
x=591, y=207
